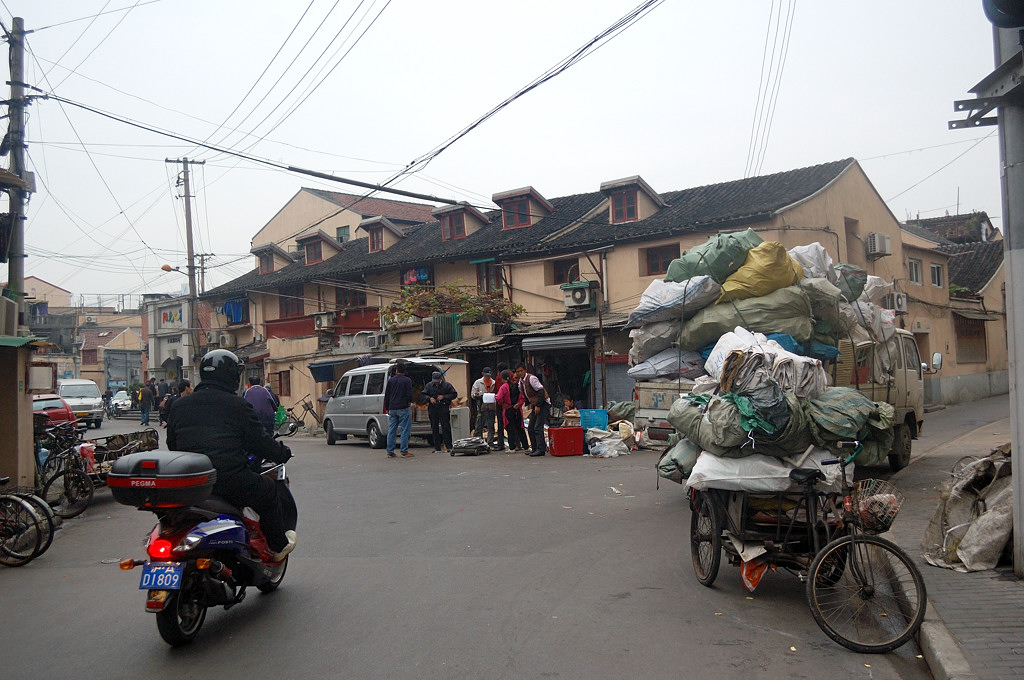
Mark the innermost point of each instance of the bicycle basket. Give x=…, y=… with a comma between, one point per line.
x=876, y=502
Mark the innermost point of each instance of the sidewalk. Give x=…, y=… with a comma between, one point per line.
x=974, y=628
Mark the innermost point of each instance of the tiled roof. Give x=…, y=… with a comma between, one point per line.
x=701, y=209
x=972, y=265
x=92, y=338
x=925, y=234
x=403, y=211
x=957, y=228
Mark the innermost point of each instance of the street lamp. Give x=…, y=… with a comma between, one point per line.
x=193, y=325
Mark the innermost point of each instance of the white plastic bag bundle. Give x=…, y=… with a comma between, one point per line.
x=739, y=339
x=669, y=363
x=815, y=260
x=652, y=338
x=875, y=289
x=667, y=300
x=761, y=473
x=879, y=323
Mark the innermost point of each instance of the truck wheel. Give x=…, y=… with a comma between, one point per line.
x=899, y=456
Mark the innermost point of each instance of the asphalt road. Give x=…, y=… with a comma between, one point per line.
x=500, y=566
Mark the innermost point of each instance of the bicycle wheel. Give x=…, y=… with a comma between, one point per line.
x=705, y=538
x=19, y=532
x=69, y=493
x=866, y=594
x=47, y=519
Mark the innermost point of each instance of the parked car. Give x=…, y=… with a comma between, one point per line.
x=53, y=407
x=121, y=401
x=85, y=399
x=356, y=404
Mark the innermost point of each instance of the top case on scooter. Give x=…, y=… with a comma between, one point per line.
x=161, y=479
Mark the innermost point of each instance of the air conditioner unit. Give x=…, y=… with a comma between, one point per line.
x=878, y=244
x=376, y=340
x=323, y=321
x=90, y=319
x=896, y=301
x=227, y=340
x=212, y=338
x=428, y=329
x=579, y=294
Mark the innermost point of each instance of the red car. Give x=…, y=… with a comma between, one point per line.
x=54, y=407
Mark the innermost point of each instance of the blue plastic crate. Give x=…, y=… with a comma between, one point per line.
x=593, y=417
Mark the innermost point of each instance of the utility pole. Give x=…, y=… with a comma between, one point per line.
x=202, y=270
x=1003, y=91
x=193, y=299
x=16, y=267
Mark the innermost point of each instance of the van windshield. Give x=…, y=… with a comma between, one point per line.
x=79, y=391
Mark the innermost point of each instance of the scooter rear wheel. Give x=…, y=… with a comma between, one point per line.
x=182, y=616
x=271, y=585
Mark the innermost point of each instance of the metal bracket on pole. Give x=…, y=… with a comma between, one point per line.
x=1002, y=87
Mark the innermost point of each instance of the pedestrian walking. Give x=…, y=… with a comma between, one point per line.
x=262, y=402
x=510, y=402
x=147, y=395
x=440, y=394
x=397, y=404
x=540, y=406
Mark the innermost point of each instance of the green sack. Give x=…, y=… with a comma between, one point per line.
x=280, y=416
x=718, y=258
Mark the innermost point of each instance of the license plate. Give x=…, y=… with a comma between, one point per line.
x=81, y=413
x=163, y=576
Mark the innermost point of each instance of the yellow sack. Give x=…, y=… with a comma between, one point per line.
x=768, y=268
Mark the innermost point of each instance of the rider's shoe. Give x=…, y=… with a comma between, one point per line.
x=278, y=556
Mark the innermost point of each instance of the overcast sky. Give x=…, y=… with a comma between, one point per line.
x=675, y=97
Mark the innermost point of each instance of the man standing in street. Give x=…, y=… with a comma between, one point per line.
x=540, y=406
x=262, y=402
x=440, y=394
x=397, y=400
x=483, y=392
x=147, y=395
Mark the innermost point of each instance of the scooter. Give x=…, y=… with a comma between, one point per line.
x=203, y=552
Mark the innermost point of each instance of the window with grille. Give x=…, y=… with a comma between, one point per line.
x=914, y=271
x=624, y=206
x=290, y=302
x=516, y=214
x=970, y=340
x=658, y=259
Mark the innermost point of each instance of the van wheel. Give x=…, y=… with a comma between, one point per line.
x=899, y=456
x=373, y=433
x=329, y=431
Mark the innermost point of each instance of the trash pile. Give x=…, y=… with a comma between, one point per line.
x=973, y=524
x=752, y=329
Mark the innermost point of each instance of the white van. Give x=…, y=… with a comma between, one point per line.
x=356, y=404
x=84, y=398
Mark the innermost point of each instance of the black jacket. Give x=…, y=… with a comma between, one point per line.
x=444, y=391
x=217, y=422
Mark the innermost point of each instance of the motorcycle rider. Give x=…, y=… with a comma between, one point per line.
x=214, y=420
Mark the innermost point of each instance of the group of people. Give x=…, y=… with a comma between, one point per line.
x=159, y=394
x=500, y=403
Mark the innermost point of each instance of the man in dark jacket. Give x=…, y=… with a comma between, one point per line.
x=540, y=406
x=147, y=395
x=262, y=402
x=397, y=400
x=215, y=421
x=440, y=394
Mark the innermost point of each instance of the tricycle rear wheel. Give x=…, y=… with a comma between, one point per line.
x=705, y=537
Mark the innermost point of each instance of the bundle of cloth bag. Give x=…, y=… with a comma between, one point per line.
x=748, y=324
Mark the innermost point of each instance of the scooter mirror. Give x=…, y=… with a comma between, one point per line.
x=288, y=429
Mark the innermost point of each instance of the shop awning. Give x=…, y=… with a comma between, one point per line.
x=979, y=314
x=20, y=341
x=554, y=342
x=323, y=370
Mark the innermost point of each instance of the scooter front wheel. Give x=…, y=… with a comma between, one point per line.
x=183, y=615
x=271, y=585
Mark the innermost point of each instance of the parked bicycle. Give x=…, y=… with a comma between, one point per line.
x=864, y=592
x=21, y=530
x=297, y=413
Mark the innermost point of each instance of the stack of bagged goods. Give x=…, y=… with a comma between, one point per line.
x=751, y=330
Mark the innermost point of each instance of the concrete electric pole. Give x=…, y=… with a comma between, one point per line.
x=16, y=265
x=193, y=299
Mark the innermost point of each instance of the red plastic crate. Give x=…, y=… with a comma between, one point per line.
x=565, y=441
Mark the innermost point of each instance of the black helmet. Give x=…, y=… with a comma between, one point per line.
x=221, y=367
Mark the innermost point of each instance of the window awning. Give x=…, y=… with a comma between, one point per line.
x=976, y=314
x=20, y=341
x=323, y=370
x=553, y=342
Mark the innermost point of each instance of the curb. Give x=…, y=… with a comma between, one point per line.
x=941, y=650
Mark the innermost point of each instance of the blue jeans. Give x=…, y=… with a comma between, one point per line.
x=399, y=417
x=145, y=415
